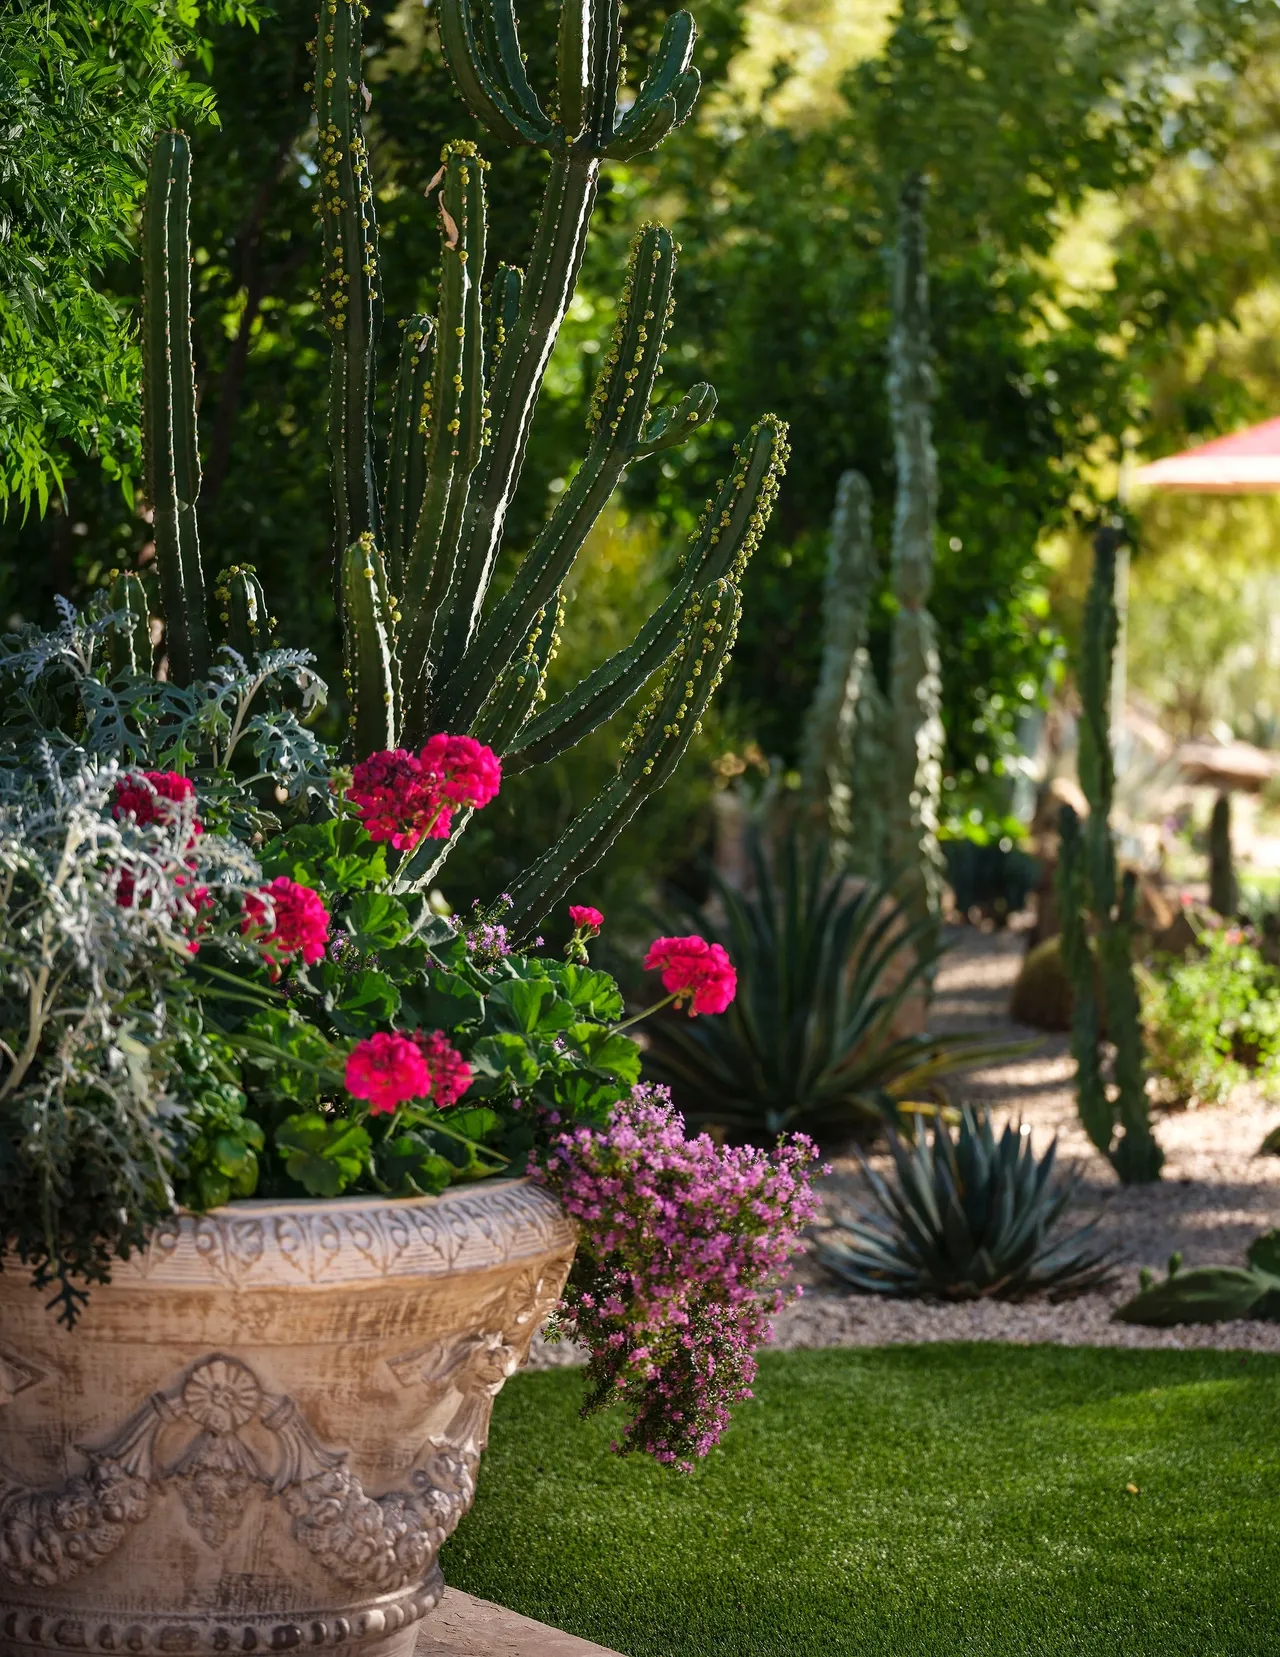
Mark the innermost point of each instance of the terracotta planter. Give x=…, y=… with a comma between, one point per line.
x=262, y=1431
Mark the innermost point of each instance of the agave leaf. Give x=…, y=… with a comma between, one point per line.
x=965, y=1217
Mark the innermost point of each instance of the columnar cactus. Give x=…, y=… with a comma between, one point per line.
x=915, y=687
x=1098, y=910
x=427, y=648
x=842, y=758
x=1224, y=890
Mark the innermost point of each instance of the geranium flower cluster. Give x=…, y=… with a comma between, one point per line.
x=389, y=1069
x=695, y=971
x=404, y=798
x=158, y=797
x=286, y=920
x=678, y=1271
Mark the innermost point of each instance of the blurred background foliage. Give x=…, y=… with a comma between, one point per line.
x=1103, y=196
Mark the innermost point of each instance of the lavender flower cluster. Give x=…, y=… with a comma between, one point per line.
x=678, y=1271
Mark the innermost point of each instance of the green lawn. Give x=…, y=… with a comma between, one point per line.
x=940, y=1500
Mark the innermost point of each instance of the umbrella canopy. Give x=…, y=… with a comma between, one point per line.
x=1246, y=463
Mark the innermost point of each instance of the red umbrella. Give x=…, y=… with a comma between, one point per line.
x=1246, y=463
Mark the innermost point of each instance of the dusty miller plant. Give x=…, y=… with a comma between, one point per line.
x=90, y=1007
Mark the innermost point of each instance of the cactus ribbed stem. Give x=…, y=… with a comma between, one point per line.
x=549, y=285
x=169, y=407
x=619, y=413
x=370, y=648
x=410, y=429
x=652, y=752
x=350, y=275
x=727, y=535
x=915, y=686
x=129, y=650
x=242, y=610
x=457, y=422
x=829, y=783
x=1098, y=910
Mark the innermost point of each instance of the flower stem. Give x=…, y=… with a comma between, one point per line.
x=616, y=1029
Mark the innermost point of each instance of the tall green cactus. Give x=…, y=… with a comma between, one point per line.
x=1224, y=889
x=427, y=647
x=915, y=687
x=169, y=406
x=842, y=759
x=1098, y=910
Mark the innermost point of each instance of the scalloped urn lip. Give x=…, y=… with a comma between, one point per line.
x=328, y=1243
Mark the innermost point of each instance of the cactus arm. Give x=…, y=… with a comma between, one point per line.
x=504, y=308
x=510, y=63
x=410, y=426
x=654, y=749
x=1136, y=1155
x=667, y=94
x=349, y=287
x=1097, y=1116
x=169, y=406
x=129, y=650
x=242, y=610
x=617, y=421
x=572, y=66
x=670, y=62
x=548, y=287
x=604, y=71
x=672, y=426
x=370, y=669
x=457, y=415
x=729, y=533
x=828, y=740
x=915, y=681
x=484, y=81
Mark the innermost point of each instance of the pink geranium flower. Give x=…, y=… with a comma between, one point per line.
x=148, y=796
x=449, y=1072
x=585, y=918
x=386, y=1069
x=404, y=798
x=695, y=971
x=289, y=920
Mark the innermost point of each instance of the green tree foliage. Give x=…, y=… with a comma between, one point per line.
x=1019, y=114
x=84, y=84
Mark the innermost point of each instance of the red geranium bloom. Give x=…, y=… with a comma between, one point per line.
x=148, y=804
x=583, y=915
x=386, y=1069
x=449, y=1071
x=299, y=923
x=405, y=798
x=694, y=970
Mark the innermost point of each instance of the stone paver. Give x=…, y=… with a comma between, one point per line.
x=463, y=1626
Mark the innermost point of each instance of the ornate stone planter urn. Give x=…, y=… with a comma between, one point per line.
x=262, y=1430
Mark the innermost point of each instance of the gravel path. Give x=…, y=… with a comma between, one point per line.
x=1214, y=1199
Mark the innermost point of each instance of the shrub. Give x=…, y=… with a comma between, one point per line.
x=1212, y=1019
x=965, y=1219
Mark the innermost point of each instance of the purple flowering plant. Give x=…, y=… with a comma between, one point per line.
x=683, y=1246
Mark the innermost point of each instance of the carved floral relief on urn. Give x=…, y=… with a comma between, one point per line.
x=263, y=1430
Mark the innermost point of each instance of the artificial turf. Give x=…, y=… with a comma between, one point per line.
x=939, y=1500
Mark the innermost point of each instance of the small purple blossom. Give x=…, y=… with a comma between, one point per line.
x=679, y=1266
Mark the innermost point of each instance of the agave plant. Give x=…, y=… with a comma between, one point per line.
x=825, y=965
x=967, y=1218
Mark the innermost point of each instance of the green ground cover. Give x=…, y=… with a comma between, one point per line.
x=938, y=1500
